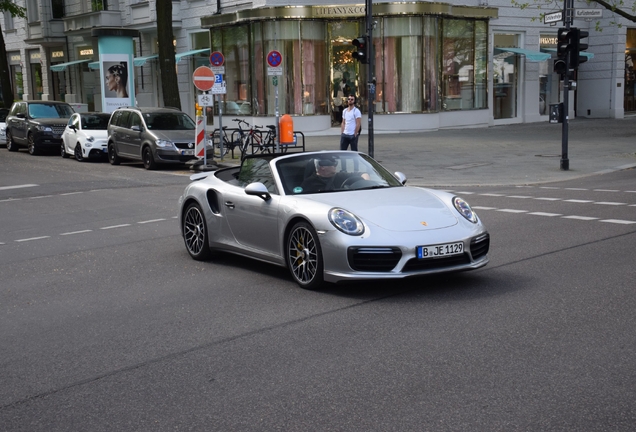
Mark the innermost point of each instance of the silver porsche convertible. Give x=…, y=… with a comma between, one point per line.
x=330, y=216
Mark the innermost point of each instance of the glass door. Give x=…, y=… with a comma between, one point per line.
x=505, y=76
x=344, y=68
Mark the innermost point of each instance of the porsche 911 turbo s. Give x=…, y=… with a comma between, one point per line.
x=330, y=216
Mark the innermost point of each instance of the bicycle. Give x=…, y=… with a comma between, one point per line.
x=214, y=141
x=267, y=144
x=241, y=137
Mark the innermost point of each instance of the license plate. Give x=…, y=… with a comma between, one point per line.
x=440, y=250
x=187, y=152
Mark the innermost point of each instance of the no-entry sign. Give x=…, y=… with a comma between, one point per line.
x=203, y=78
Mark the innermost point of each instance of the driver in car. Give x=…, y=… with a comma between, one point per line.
x=326, y=178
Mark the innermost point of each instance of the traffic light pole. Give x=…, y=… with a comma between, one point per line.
x=568, y=9
x=370, y=72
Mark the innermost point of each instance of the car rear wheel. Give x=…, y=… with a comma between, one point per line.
x=11, y=145
x=112, y=155
x=63, y=150
x=195, y=231
x=304, y=256
x=149, y=160
x=33, y=150
x=78, y=153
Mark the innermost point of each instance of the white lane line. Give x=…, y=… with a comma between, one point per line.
x=575, y=189
x=578, y=201
x=492, y=194
x=71, y=193
x=549, y=187
x=32, y=238
x=76, y=232
x=483, y=208
x=519, y=196
x=115, y=226
x=584, y=218
x=545, y=214
x=548, y=199
x=512, y=211
x=618, y=221
x=465, y=193
x=10, y=199
x=150, y=221
x=175, y=217
x=18, y=186
x=630, y=191
x=610, y=203
x=605, y=190
x=42, y=196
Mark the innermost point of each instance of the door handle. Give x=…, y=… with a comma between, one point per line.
x=229, y=204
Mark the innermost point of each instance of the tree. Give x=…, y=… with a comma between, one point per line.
x=167, y=63
x=612, y=5
x=7, y=6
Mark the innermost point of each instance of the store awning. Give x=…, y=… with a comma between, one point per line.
x=532, y=56
x=140, y=61
x=589, y=55
x=179, y=56
x=62, y=66
x=93, y=65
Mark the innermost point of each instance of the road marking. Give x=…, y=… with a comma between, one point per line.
x=32, y=238
x=575, y=189
x=512, y=211
x=610, y=203
x=605, y=190
x=115, y=226
x=492, y=194
x=585, y=218
x=71, y=193
x=618, y=221
x=548, y=199
x=465, y=193
x=76, y=232
x=18, y=186
x=150, y=221
x=42, y=196
x=483, y=208
x=578, y=201
x=10, y=199
x=545, y=214
x=518, y=196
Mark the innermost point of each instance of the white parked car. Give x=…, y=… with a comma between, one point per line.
x=86, y=136
x=3, y=125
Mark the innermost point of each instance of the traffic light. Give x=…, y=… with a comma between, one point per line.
x=563, y=43
x=577, y=47
x=362, y=53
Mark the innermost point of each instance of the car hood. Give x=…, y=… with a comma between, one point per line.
x=399, y=209
x=175, y=135
x=50, y=121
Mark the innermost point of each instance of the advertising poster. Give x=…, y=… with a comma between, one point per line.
x=116, y=71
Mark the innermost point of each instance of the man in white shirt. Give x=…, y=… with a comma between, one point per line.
x=351, y=125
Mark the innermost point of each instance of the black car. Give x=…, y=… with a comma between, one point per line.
x=37, y=125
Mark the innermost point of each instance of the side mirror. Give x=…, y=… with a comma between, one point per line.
x=72, y=127
x=20, y=115
x=400, y=176
x=258, y=189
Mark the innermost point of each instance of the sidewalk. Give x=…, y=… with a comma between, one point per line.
x=500, y=155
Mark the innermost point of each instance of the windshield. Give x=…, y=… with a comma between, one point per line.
x=169, y=121
x=95, y=121
x=41, y=110
x=332, y=172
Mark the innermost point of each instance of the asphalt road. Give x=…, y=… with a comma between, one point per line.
x=106, y=324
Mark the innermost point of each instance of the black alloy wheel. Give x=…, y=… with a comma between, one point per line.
x=78, y=153
x=33, y=150
x=304, y=256
x=149, y=160
x=195, y=230
x=113, y=158
x=11, y=145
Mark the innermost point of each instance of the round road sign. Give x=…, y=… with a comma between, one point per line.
x=274, y=59
x=217, y=59
x=203, y=78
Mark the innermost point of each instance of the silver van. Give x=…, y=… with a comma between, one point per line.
x=151, y=135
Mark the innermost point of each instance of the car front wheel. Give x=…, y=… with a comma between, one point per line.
x=195, y=231
x=11, y=145
x=33, y=150
x=304, y=256
x=149, y=160
x=63, y=150
x=112, y=155
x=78, y=153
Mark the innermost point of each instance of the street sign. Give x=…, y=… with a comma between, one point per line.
x=205, y=100
x=217, y=59
x=553, y=17
x=218, y=70
x=588, y=13
x=219, y=86
x=203, y=78
x=274, y=59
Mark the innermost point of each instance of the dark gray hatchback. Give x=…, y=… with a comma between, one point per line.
x=37, y=125
x=151, y=135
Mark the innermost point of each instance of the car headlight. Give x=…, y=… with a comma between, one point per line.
x=90, y=138
x=464, y=209
x=44, y=128
x=346, y=221
x=163, y=143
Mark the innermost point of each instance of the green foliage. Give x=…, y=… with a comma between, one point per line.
x=12, y=8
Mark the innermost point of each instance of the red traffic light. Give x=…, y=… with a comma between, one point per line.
x=361, y=54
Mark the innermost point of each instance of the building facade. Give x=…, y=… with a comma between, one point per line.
x=462, y=63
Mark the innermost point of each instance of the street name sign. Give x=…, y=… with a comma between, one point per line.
x=553, y=17
x=588, y=13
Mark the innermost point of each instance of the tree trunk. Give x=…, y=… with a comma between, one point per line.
x=5, y=74
x=167, y=64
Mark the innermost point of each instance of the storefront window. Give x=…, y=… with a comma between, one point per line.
x=314, y=75
x=459, y=44
x=629, y=103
